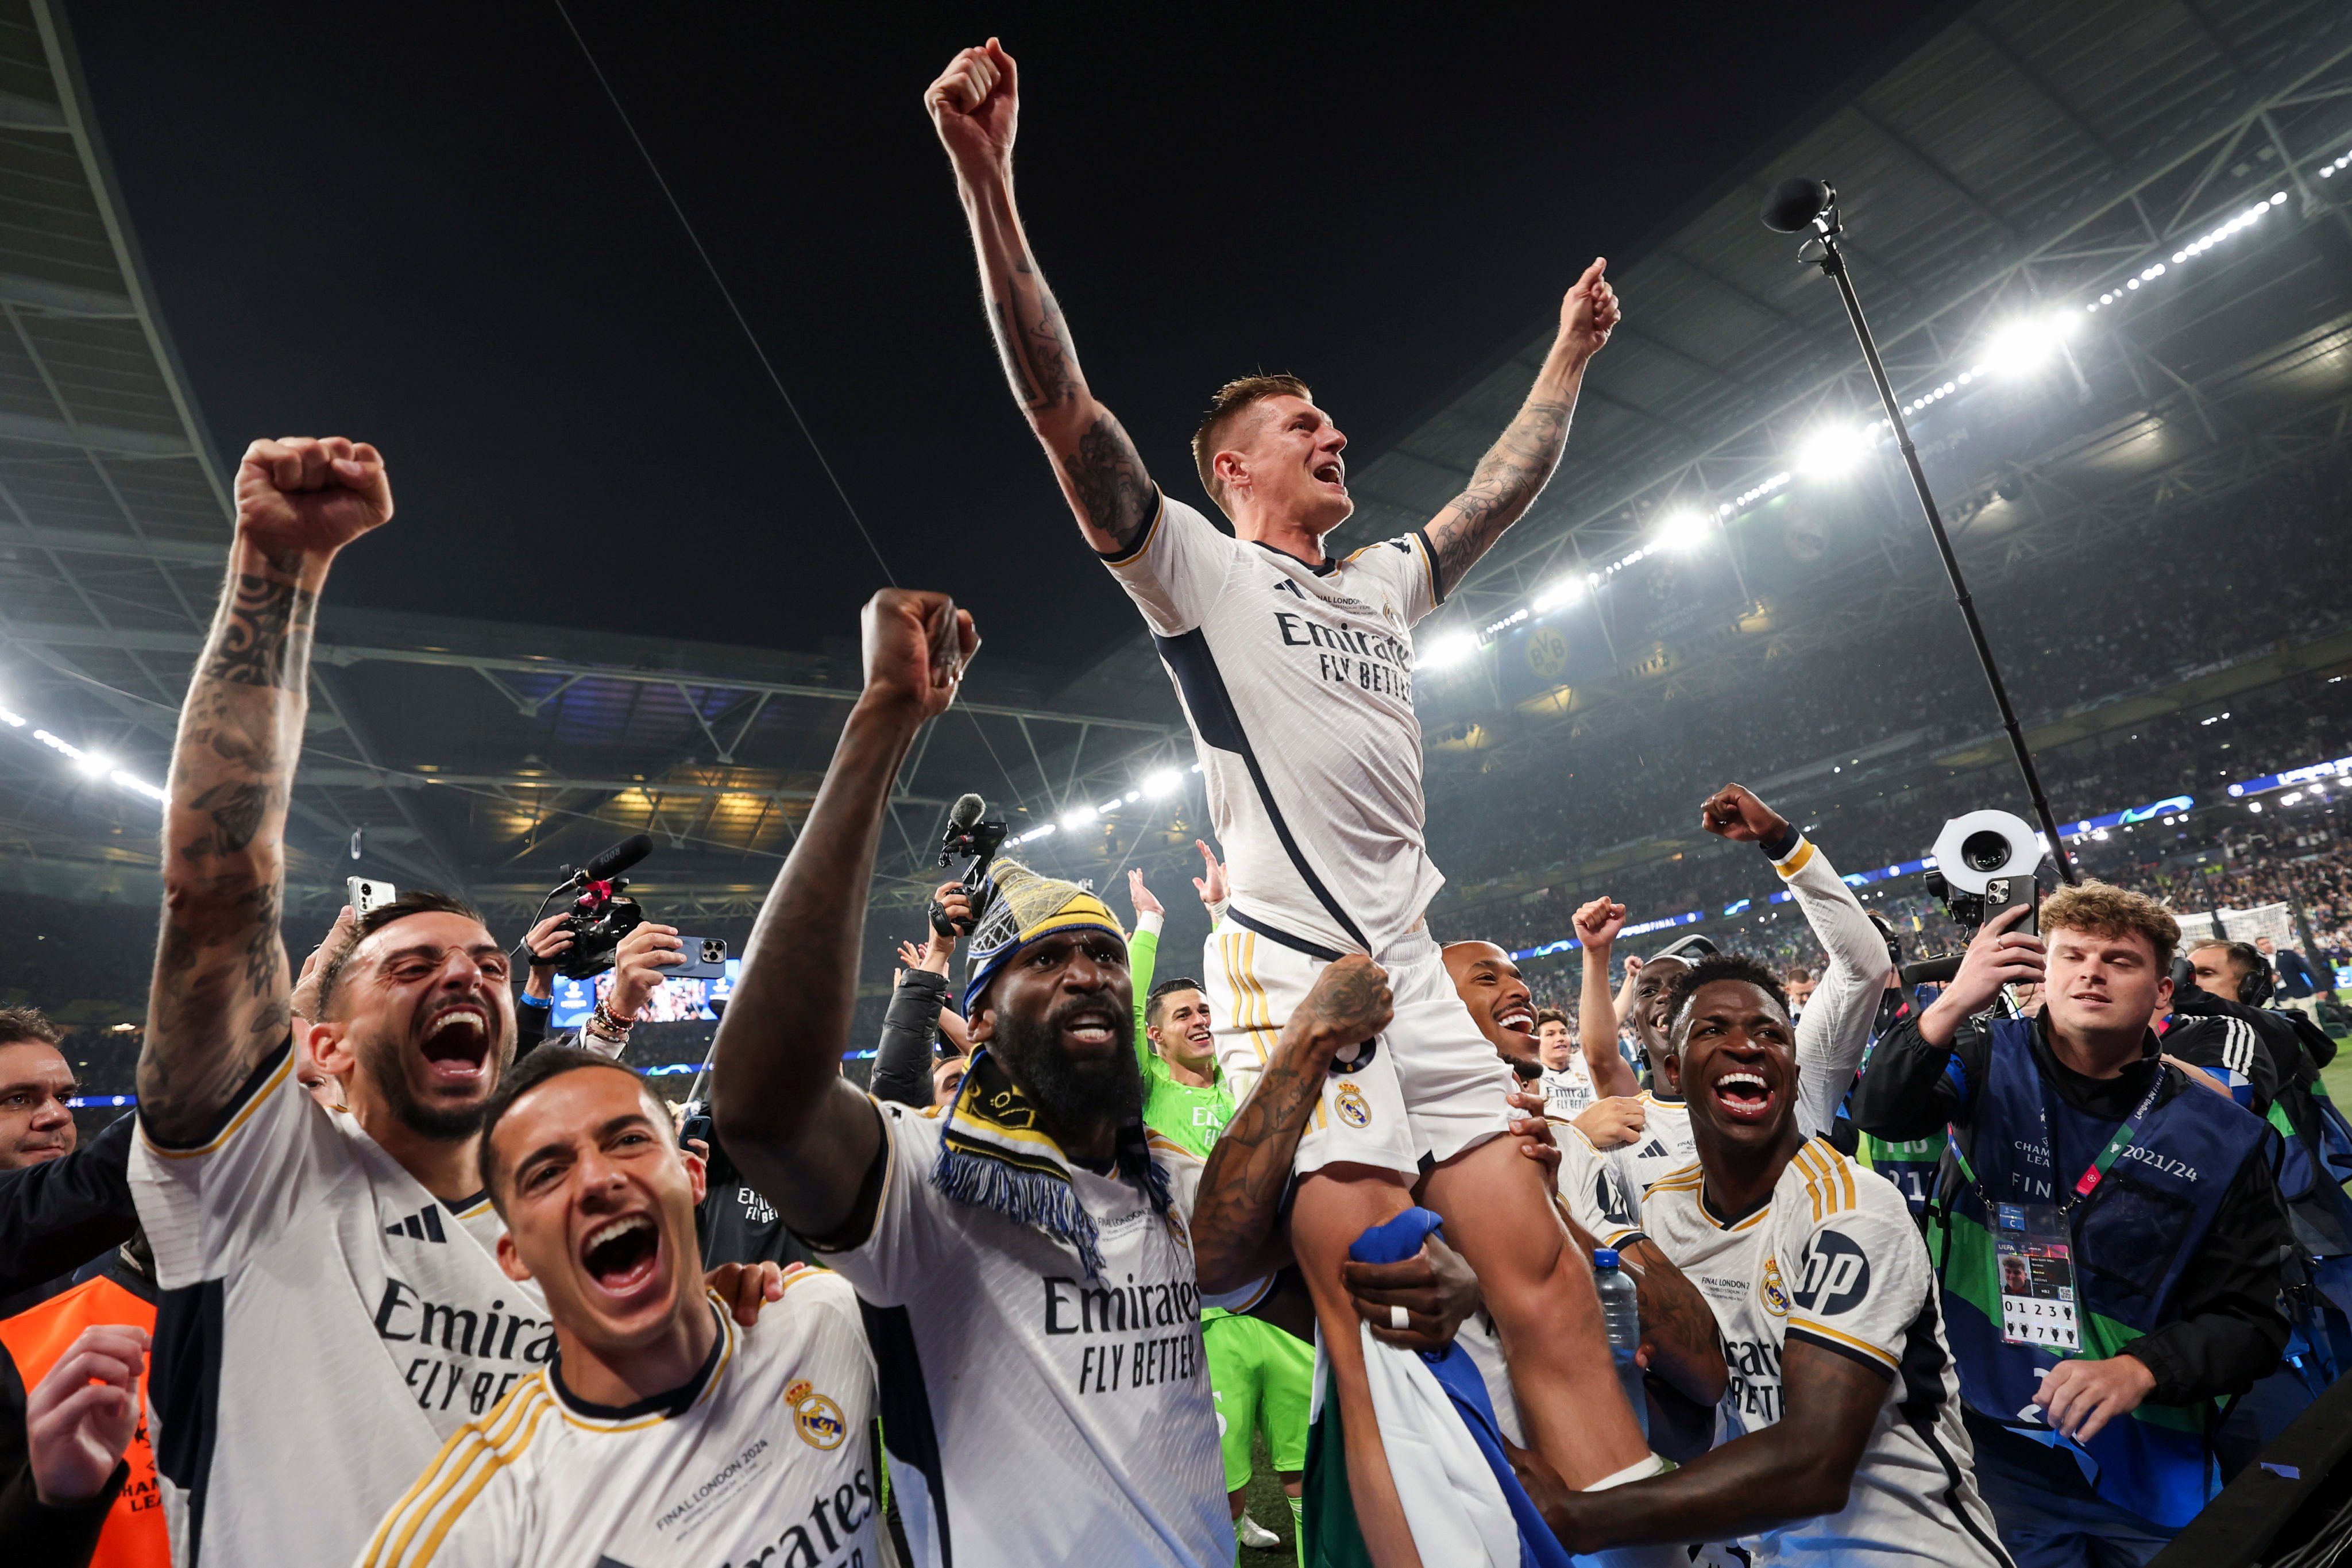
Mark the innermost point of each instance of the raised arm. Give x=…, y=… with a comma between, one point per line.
x=220, y=999
x=1597, y=1018
x=1515, y=467
x=1237, y=1215
x=806, y=1137
x=974, y=106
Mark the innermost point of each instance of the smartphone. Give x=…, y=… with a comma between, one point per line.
x=706, y=959
x=363, y=894
x=2001, y=892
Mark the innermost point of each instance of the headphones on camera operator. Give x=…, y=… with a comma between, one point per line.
x=2255, y=986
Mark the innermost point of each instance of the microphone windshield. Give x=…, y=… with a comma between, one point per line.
x=619, y=858
x=967, y=810
x=1794, y=204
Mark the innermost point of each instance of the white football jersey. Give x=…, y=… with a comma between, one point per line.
x=1568, y=1090
x=1031, y=1415
x=767, y=1456
x=1835, y=1260
x=322, y=1313
x=1297, y=682
x=1663, y=1146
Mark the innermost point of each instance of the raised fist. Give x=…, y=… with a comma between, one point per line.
x=974, y=104
x=1590, y=313
x=1733, y=812
x=917, y=644
x=298, y=495
x=1598, y=922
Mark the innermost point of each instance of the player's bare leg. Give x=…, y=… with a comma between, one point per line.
x=1499, y=1216
x=1335, y=1205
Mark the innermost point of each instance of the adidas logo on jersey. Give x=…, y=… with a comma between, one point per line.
x=425, y=1225
x=1655, y=1149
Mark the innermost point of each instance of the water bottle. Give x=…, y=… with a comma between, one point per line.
x=1621, y=1314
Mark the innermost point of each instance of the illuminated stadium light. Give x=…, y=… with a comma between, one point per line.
x=1513, y=619
x=1131, y=796
x=1041, y=831
x=1562, y=591
x=1762, y=487
x=1446, y=649
x=1831, y=449
x=1079, y=816
x=97, y=764
x=90, y=764
x=2026, y=345
x=1107, y=807
x=137, y=785
x=1682, y=529
x=1163, y=783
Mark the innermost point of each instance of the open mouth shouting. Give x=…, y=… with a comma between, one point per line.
x=1743, y=1095
x=622, y=1257
x=1332, y=474
x=1092, y=1028
x=456, y=1044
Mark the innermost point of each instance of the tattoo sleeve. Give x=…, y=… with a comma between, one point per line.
x=1240, y=1200
x=220, y=1001
x=1101, y=474
x=1506, y=482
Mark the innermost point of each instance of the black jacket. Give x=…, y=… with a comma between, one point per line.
x=2231, y=1329
x=58, y=1216
x=902, y=1060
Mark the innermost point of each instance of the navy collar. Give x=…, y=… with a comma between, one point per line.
x=1330, y=562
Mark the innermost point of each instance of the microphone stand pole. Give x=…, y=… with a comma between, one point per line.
x=1828, y=230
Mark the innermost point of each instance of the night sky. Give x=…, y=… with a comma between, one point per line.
x=423, y=226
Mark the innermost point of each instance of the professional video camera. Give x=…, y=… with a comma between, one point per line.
x=601, y=916
x=1985, y=862
x=978, y=842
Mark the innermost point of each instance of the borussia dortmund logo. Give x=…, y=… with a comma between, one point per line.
x=1546, y=652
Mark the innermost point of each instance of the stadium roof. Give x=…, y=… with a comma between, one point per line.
x=2026, y=156
x=462, y=755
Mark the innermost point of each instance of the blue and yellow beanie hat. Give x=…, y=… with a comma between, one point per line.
x=1018, y=908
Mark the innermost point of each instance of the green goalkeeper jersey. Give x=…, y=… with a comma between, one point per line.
x=1179, y=1112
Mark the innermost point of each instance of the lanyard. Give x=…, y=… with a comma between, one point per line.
x=2088, y=1182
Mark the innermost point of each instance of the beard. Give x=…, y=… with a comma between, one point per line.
x=445, y=1124
x=1072, y=1094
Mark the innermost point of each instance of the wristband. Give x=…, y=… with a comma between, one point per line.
x=525, y=999
x=602, y=1023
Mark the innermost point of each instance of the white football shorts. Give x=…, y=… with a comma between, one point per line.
x=1430, y=1087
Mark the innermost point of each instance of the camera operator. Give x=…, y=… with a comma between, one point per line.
x=2100, y=1307
x=637, y=965
x=906, y=1066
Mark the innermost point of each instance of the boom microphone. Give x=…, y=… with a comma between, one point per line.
x=966, y=812
x=1795, y=204
x=616, y=860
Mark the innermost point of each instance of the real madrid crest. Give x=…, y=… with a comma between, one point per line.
x=1775, y=1299
x=818, y=1419
x=1353, y=1109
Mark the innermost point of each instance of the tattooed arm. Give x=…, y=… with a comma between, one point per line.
x=1508, y=478
x=1236, y=1216
x=974, y=104
x=805, y=1137
x=220, y=998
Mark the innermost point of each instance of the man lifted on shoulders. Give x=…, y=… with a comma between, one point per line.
x=1295, y=669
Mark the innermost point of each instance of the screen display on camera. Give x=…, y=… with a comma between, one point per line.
x=673, y=1001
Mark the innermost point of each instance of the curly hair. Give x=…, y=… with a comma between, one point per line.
x=1717, y=966
x=2104, y=909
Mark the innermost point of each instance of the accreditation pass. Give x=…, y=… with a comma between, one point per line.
x=2034, y=1252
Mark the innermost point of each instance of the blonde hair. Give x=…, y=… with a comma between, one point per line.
x=2105, y=909
x=1231, y=400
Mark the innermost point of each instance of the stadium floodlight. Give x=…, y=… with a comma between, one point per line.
x=1831, y=449
x=1107, y=807
x=1560, y=591
x=1682, y=529
x=97, y=764
x=2026, y=345
x=1079, y=816
x=137, y=785
x=1446, y=650
x=1162, y=782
